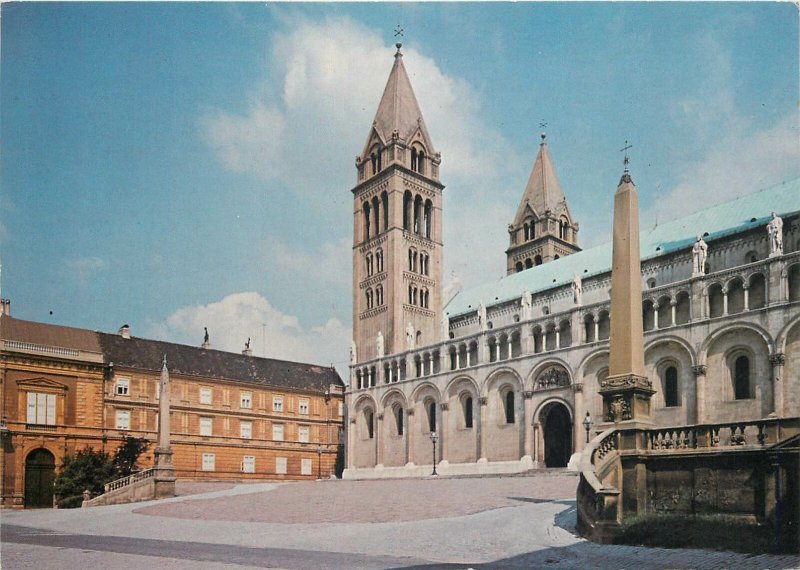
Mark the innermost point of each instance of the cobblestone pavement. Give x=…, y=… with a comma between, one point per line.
x=503, y=522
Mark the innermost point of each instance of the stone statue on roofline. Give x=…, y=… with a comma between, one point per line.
x=699, y=256
x=409, y=336
x=482, y=316
x=353, y=355
x=379, y=348
x=526, y=302
x=577, y=289
x=775, y=233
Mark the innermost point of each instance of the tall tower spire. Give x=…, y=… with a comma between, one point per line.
x=397, y=227
x=543, y=228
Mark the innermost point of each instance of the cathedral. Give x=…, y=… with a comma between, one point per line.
x=504, y=377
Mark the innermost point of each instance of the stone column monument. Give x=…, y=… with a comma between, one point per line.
x=627, y=390
x=165, y=473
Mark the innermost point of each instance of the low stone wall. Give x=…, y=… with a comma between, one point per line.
x=444, y=468
x=143, y=490
x=749, y=470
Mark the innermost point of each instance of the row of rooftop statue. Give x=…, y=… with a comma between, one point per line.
x=774, y=233
x=699, y=257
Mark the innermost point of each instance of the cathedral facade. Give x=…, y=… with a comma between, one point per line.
x=504, y=377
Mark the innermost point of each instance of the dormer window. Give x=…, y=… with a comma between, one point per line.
x=418, y=160
x=375, y=160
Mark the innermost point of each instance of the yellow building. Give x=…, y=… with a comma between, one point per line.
x=232, y=415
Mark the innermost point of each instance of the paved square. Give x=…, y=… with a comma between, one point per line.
x=501, y=522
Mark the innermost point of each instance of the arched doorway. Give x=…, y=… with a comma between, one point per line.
x=557, y=432
x=40, y=467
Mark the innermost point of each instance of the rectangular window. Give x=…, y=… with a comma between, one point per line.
x=158, y=389
x=121, y=387
x=341, y=409
x=245, y=429
x=205, y=395
x=123, y=419
x=302, y=434
x=280, y=465
x=305, y=467
x=246, y=400
x=277, y=432
x=41, y=408
x=208, y=461
x=248, y=464
x=205, y=426
x=277, y=404
x=303, y=407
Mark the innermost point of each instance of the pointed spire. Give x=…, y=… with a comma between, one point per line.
x=398, y=112
x=543, y=190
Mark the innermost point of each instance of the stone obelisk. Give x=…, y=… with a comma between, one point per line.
x=165, y=473
x=627, y=390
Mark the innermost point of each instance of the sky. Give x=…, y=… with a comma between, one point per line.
x=175, y=166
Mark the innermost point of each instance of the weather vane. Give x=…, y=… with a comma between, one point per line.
x=624, y=149
x=543, y=125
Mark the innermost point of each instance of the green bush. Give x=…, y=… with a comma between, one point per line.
x=86, y=469
x=128, y=454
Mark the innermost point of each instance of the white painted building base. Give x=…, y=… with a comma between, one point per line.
x=444, y=468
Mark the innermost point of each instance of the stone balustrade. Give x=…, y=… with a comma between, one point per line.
x=727, y=468
x=129, y=480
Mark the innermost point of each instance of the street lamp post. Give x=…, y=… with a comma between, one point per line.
x=587, y=424
x=319, y=462
x=434, y=439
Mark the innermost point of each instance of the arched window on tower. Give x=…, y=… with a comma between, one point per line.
x=369, y=264
x=407, y=204
x=379, y=260
x=421, y=162
x=374, y=161
x=414, y=159
x=379, y=295
x=417, y=213
x=427, y=216
x=519, y=267
x=368, y=294
x=376, y=214
x=410, y=294
x=528, y=263
x=526, y=231
x=385, y=204
x=366, y=209
x=369, y=420
x=537, y=260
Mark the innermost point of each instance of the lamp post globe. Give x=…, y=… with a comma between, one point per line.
x=587, y=424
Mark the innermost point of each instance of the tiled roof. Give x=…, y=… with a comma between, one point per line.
x=146, y=354
x=48, y=335
x=742, y=214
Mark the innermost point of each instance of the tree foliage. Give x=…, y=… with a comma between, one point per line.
x=128, y=454
x=86, y=469
x=90, y=470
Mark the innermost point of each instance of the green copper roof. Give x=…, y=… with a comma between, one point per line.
x=738, y=215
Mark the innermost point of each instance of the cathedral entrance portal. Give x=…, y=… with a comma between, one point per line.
x=557, y=432
x=40, y=468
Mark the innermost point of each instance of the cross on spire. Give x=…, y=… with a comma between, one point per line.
x=543, y=125
x=626, y=160
x=398, y=33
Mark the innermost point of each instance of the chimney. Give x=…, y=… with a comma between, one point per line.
x=124, y=331
x=5, y=307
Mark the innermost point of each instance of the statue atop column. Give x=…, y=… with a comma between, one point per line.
x=379, y=348
x=577, y=289
x=775, y=233
x=699, y=256
x=206, y=343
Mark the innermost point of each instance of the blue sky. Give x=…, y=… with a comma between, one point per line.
x=174, y=166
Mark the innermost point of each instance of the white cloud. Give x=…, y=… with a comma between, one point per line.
x=273, y=333
x=82, y=268
x=330, y=261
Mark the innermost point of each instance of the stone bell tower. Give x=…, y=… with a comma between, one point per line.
x=543, y=228
x=397, y=228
